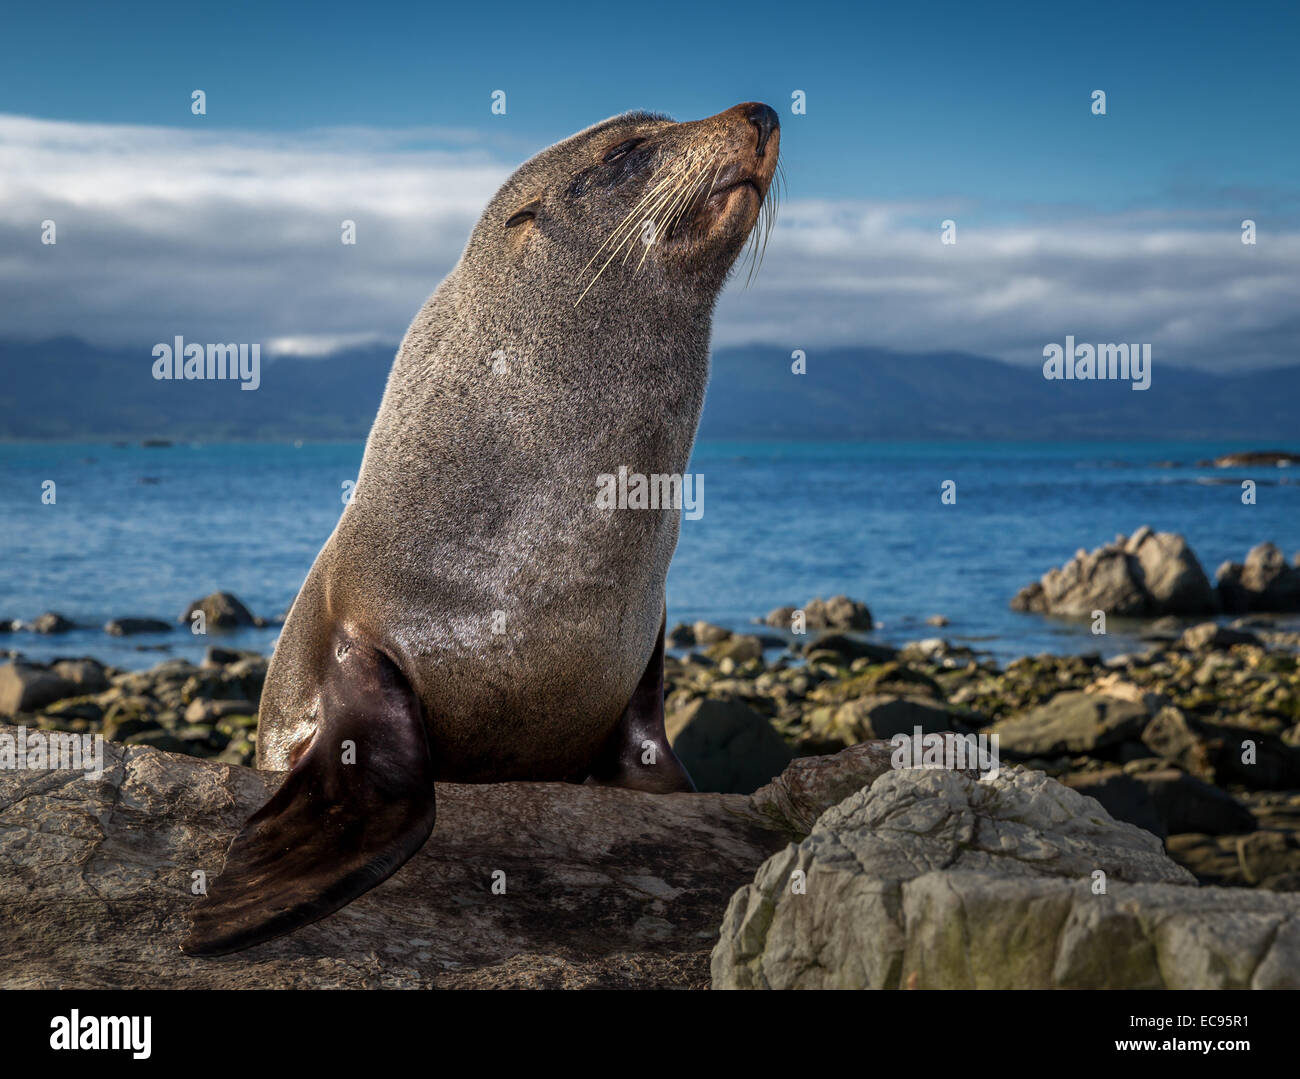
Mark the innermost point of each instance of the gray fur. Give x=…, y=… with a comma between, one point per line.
x=478, y=487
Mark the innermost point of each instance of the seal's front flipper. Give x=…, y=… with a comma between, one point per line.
x=354, y=807
x=637, y=754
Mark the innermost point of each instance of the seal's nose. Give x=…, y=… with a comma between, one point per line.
x=764, y=118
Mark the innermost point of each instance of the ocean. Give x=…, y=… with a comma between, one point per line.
x=142, y=531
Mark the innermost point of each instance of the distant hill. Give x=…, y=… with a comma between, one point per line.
x=866, y=393
x=66, y=389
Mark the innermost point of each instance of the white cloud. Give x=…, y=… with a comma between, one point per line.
x=233, y=236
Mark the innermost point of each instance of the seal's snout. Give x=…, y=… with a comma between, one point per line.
x=764, y=118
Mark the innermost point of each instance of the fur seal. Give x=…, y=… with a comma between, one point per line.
x=475, y=615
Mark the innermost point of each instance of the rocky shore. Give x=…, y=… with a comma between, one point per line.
x=1149, y=574
x=1195, y=739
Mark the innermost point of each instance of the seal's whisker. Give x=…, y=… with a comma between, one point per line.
x=674, y=211
x=767, y=215
x=628, y=232
x=663, y=208
x=647, y=197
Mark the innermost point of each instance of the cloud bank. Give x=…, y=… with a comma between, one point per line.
x=221, y=235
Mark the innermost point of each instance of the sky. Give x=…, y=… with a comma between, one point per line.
x=1122, y=227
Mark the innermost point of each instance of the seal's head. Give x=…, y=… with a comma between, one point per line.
x=634, y=208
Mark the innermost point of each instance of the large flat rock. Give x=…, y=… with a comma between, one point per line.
x=604, y=887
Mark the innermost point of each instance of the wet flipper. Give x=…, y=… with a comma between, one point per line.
x=354, y=807
x=637, y=754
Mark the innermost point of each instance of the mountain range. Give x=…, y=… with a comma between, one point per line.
x=64, y=388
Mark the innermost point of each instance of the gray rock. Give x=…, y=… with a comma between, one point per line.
x=1212, y=635
x=1187, y=804
x=88, y=675
x=1147, y=574
x=708, y=633
x=959, y=927
x=726, y=745
x=681, y=636
x=850, y=648
x=1170, y=574
x=52, y=622
x=811, y=785
x=1071, y=722
x=1102, y=580
x=833, y=910
x=738, y=647
x=838, y=612
x=1122, y=796
x=1223, y=754
x=779, y=618
x=1276, y=458
x=126, y=627
x=885, y=715
x=222, y=611
x=27, y=688
x=627, y=890
x=208, y=711
x=1263, y=583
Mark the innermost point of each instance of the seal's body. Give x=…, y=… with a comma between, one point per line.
x=477, y=615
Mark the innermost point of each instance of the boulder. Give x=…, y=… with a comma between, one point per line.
x=1276, y=458
x=222, y=611
x=779, y=618
x=88, y=675
x=1211, y=635
x=1144, y=575
x=208, y=711
x=1071, y=722
x=52, y=622
x=1032, y=599
x=850, y=648
x=1223, y=754
x=1170, y=574
x=126, y=627
x=1184, y=803
x=1102, y=580
x=726, y=745
x=681, y=636
x=1122, y=796
x=859, y=902
x=1264, y=582
x=708, y=633
x=629, y=892
x=885, y=715
x=838, y=612
x=737, y=647
x=28, y=688
x=809, y=786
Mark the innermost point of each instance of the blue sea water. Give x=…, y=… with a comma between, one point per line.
x=139, y=531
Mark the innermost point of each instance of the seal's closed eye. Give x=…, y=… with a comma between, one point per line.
x=526, y=214
x=622, y=148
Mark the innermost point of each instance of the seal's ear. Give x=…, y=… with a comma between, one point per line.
x=356, y=806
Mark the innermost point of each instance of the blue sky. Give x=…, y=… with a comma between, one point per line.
x=983, y=100
x=1122, y=227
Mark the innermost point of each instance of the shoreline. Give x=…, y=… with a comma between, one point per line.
x=1196, y=737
